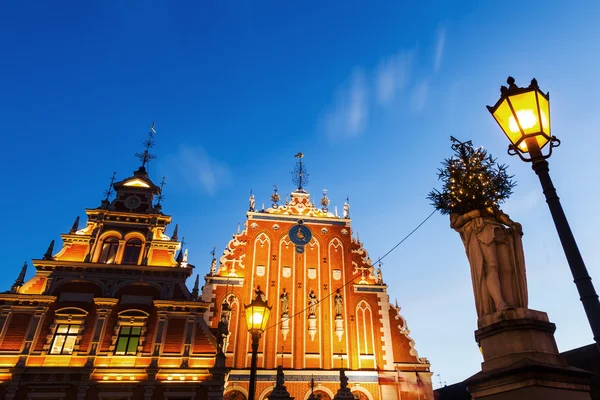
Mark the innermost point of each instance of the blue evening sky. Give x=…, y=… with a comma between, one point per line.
x=370, y=92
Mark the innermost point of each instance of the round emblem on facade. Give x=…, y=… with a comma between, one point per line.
x=299, y=234
x=132, y=202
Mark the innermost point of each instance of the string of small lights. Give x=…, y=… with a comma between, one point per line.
x=358, y=274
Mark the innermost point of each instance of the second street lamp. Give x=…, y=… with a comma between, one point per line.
x=524, y=116
x=257, y=316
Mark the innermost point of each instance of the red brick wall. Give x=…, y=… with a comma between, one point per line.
x=174, y=335
x=17, y=329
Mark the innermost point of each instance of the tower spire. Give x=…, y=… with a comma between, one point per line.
x=196, y=289
x=175, y=232
x=146, y=156
x=48, y=254
x=20, y=279
x=75, y=226
x=300, y=176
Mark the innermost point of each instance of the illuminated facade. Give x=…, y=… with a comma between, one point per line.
x=298, y=254
x=109, y=315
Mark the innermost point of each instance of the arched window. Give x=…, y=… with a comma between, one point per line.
x=109, y=250
x=133, y=248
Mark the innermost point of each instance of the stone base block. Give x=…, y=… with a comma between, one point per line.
x=531, y=380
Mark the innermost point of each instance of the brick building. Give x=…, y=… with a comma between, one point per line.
x=109, y=316
x=300, y=254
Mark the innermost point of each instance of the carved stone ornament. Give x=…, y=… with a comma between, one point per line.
x=286, y=272
x=260, y=270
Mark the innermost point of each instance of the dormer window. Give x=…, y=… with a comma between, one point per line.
x=109, y=250
x=133, y=248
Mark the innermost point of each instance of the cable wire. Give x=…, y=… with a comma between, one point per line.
x=356, y=276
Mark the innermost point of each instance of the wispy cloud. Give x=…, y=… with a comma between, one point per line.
x=199, y=171
x=348, y=117
x=392, y=76
x=439, y=49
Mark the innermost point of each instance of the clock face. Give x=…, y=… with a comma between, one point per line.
x=132, y=202
x=300, y=234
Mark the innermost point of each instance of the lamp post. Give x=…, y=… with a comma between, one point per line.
x=257, y=315
x=524, y=116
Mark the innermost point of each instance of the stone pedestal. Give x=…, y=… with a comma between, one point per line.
x=521, y=360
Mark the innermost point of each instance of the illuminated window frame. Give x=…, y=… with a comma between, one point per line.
x=130, y=336
x=129, y=318
x=132, y=251
x=66, y=316
x=109, y=250
x=68, y=333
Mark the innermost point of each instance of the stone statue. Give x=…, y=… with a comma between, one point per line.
x=493, y=245
x=252, y=203
x=346, y=209
x=343, y=379
x=379, y=277
x=312, y=302
x=280, y=380
x=338, y=303
x=222, y=332
x=283, y=298
x=213, y=267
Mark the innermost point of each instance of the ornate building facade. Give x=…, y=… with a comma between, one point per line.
x=109, y=315
x=330, y=307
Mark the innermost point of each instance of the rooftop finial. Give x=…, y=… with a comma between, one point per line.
x=213, y=262
x=109, y=192
x=49, y=251
x=196, y=289
x=325, y=201
x=180, y=255
x=175, y=233
x=75, y=226
x=161, y=196
x=275, y=196
x=346, y=208
x=300, y=178
x=20, y=279
x=145, y=156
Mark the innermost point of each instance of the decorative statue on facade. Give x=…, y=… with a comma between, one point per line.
x=312, y=303
x=346, y=208
x=252, y=206
x=338, y=303
x=474, y=186
x=283, y=298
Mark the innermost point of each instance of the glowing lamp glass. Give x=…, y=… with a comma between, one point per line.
x=257, y=315
x=524, y=115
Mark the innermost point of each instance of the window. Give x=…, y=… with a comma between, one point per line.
x=64, y=339
x=109, y=250
x=133, y=249
x=128, y=340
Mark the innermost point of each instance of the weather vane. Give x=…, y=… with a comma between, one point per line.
x=300, y=175
x=161, y=196
x=146, y=156
x=109, y=192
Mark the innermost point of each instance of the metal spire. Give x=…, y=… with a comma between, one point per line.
x=161, y=196
x=75, y=226
x=109, y=192
x=145, y=156
x=48, y=254
x=300, y=176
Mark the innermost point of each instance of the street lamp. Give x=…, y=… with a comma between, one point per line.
x=257, y=316
x=524, y=116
